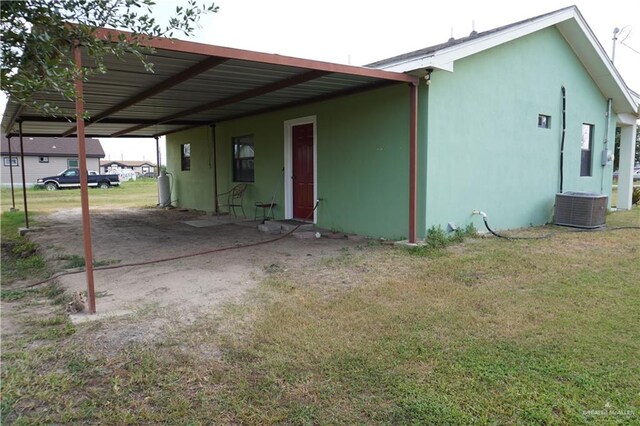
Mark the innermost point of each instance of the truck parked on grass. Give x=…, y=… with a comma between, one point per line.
x=70, y=178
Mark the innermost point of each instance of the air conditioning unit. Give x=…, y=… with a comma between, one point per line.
x=580, y=209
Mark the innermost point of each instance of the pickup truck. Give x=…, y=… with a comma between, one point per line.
x=70, y=178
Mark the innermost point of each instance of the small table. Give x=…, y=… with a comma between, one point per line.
x=264, y=207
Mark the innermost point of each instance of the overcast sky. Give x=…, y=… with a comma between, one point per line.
x=361, y=31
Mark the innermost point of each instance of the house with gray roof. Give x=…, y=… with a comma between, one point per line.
x=44, y=156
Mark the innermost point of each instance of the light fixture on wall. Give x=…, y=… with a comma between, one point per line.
x=427, y=76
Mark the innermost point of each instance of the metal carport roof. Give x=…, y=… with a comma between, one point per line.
x=193, y=84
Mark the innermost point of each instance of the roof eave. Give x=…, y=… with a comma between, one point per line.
x=46, y=154
x=624, y=101
x=444, y=59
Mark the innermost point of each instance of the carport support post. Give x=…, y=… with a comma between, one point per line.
x=158, y=165
x=216, y=206
x=413, y=162
x=13, y=195
x=84, y=193
x=24, y=182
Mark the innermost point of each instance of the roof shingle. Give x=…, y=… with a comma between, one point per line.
x=52, y=147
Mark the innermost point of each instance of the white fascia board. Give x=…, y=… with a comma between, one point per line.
x=636, y=99
x=420, y=64
x=444, y=58
x=613, y=72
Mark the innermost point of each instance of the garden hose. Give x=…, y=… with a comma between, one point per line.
x=183, y=256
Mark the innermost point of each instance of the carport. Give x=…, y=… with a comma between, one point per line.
x=194, y=85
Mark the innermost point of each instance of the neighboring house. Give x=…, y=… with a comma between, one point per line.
x=490, y=133
x=44, y=156
x=139, y=167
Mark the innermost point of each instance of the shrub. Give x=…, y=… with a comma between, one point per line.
x=437, y=239
x=635, y=195
x=23, y=248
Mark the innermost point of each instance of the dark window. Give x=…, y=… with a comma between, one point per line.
x=544, y=121
x=13, y=162
x=72, y=163
x=586, y=148
x=243, y=159
x=44, y=159
x=185, y=156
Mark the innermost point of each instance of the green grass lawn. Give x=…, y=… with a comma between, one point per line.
x=20, y=257
x=488, y=331
x=139, y=193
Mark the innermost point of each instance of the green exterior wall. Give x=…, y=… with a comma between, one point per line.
x=485, y=150
x=193, y=188
x=362, y=162
x=480, y=147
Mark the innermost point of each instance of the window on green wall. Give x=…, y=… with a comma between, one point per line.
x=544, y=121
x=586, y=149
x=243, y=158
x=185, y=156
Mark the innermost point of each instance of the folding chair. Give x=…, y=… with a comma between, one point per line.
x=235, y=197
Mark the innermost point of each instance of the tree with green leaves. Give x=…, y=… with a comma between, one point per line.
x=38, y=38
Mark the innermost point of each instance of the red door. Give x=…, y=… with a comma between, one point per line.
x=302, y=141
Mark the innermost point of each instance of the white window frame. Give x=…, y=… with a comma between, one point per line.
x=288, y=163
x=7, y=161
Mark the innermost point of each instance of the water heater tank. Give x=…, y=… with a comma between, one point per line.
x=164, y=189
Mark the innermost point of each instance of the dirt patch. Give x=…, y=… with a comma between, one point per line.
x=9, y=322
x=183, y=289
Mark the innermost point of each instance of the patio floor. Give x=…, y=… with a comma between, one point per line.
x=191, y=284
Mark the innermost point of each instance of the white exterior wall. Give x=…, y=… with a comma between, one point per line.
x=35, y=169
x=138, y=169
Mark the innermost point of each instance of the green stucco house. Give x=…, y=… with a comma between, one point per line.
x=499, y=121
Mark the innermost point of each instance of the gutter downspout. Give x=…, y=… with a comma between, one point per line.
x=564, y=130
x=605, y=152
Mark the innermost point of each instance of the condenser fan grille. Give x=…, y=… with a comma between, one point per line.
x=580, y=209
